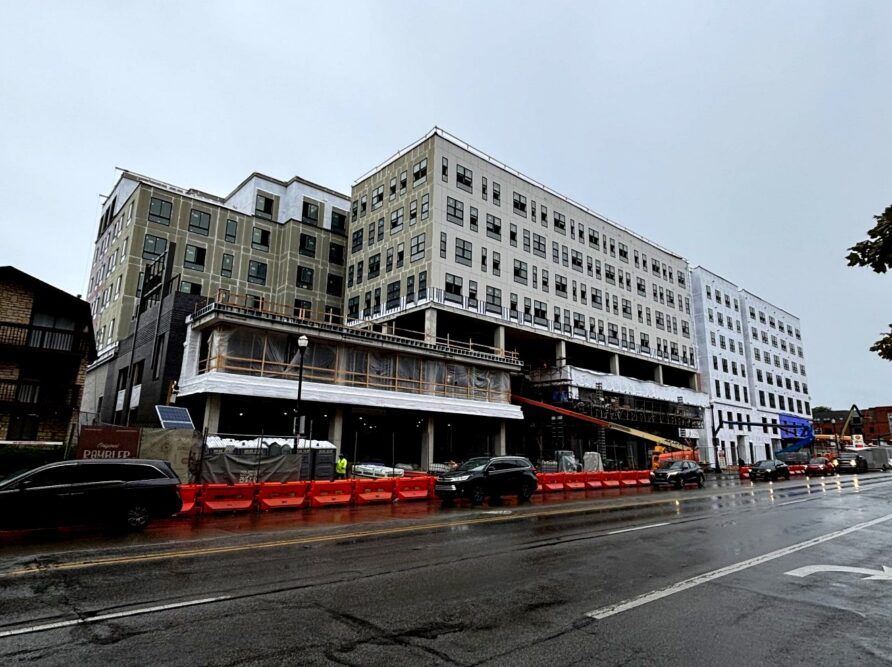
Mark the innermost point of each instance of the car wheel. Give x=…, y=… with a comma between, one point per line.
x=526, y=492
x=787, y=475
x=700, y=481
x=478, y=494
x=137, y=516
x=679, y=483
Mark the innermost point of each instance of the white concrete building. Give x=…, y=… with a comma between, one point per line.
x=751, y=361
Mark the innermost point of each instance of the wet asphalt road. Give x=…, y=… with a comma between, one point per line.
x=697, y=577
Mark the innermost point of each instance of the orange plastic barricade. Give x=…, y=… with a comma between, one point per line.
x=227, y=497
x=574, y=481
x=189, y=493
x=551, y=482
x=611, y=480
x=628, y=478
x=743, y=472
x=412, y=488
x=594, y=480
x=797, y=470
x=323, y=494
x=642, y=477
x=378, y=490
x=282, y=495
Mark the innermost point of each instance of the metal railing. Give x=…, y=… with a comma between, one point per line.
x=41, y=338
x=36, y=393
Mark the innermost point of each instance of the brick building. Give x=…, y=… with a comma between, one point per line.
x=46, y=342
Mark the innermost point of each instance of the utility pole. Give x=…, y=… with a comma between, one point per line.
x=715, y=437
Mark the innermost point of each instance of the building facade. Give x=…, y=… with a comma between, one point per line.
x=753, y=367
x=446, y=240
x=46, y=342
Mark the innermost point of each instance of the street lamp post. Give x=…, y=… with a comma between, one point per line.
x=302, y=343
x=835, y=437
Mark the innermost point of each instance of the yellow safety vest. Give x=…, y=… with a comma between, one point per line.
x=341, y=467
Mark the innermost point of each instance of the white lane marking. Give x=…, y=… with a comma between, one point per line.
x=629, y=530
x=610, y=610
x=107, y=617
x=793, y=502
x=885, y=574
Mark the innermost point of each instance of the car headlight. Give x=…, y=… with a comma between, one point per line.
x=463, y=478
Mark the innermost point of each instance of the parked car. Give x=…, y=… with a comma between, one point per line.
x=769, y=469
x=850, y=462
x=820, y=465
x=484, y=477
x=677, y=474
x=128, y=492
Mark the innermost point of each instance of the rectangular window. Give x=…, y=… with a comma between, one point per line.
x=560, y=222
x=374, y=266
x=539, y=245
x=356, y=244
x=520, y=204
x=419, y=172
x=378, y=197
x=389, y=263
x=310, y=213
x=393, y=188
x=336, y=253
x=257, y=272
x=305, y=277
x=307, y=245
x=512, y=234
x=380, y=229
x=400, y=254
x=260, y=239
x=463, y=252
x=496, y=264
x=194, y=258
x=153, y=247
x=159, y=211
x=416, y=247
x=303, y=309
x=231, y=231
x=464, y=178
x=263, y=206
x=455, y=211
x=493, y=226
x=339, y=222
x=335, y=285
x=443, y=245
x=483, y=188
x=393, y=294
x=425, y=206
x=453, y=287
x=396, y=220
x=520, y=272
x=353, y=307
x=493, y=299
x=190, y=288
x=444, y=170
x=200, y=222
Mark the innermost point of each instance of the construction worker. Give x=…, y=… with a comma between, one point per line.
x=341, y=467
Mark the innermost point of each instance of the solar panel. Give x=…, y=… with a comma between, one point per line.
x=173, y=417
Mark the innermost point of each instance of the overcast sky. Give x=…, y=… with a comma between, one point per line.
x=751, y=138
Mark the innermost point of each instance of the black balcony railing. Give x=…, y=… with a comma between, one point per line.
x=38, y=393
x=41, y=338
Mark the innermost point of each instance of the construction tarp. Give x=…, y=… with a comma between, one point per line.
x=224, y=468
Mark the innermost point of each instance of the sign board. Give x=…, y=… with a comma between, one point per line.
x=691, y=433
x=174, y=417
x=857, y=441
x=106, y=442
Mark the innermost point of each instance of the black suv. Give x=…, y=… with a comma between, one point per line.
x=677, y=474
x=130, y=492
x=482, y=477
x=770, y=469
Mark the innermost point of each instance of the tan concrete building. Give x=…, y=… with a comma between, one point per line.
x=46, y=342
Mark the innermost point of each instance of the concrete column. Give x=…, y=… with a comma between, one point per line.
x=694, y=381
x=212, y=413
x=614, y=364
x=501, y=441
x=658, y=374
x=430, y=325
x=427, y=444
x=499, y=340
x=336, y=429
x=560, y=354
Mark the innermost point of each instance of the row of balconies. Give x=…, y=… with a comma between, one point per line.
x=36, y=393
x=42, y=338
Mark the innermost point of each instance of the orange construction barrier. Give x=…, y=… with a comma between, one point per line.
x=189, y=493
x=413, y=488
x=797, y=470
x=628, y=478
x=593, y=480
x=551, y=482
x=282, y=495
x=377, y=490
x=227, y=497
x=642, y=477
x=611, y=480
x=574, y=481
x=323, y=494
x=743, y=472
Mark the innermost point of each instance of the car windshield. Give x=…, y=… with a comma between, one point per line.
x=474, y=464
x=671, y=465
x=818, y=461
x=765, y=464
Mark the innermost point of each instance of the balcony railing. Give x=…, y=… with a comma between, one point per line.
x=41, y=338
x=37, y=393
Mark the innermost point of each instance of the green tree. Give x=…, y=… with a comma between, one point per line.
x=876, y=252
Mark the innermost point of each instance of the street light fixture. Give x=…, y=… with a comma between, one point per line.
x=835, y=436
x=302, y=344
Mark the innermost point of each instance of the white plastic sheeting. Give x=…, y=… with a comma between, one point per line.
x=625, y=385
x=246, y=385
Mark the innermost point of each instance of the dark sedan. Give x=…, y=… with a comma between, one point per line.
x=770, y=470
x=129, y=492
x=677, y=474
